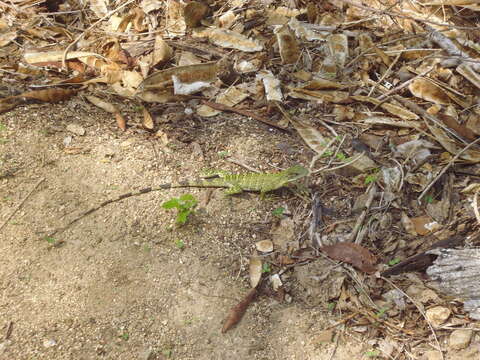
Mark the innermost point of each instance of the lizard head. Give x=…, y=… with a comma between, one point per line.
x=296, y=172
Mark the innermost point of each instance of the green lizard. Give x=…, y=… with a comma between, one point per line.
x=234, y=184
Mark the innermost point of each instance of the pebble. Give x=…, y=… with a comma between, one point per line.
x=49, y=343
x=433, y=355
x=438, y=315
x=459, y=339
x=76, y=129
x=67, y=140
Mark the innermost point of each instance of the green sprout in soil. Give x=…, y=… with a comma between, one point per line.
x=279, y=211
x=185, y=206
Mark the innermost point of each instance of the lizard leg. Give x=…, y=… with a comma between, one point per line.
x=233, y=189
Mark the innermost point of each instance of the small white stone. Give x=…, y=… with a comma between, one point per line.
x=49, y=343
x=459, y=339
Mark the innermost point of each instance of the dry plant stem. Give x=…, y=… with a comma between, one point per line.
x=21, y=203
x=344, y=320
x=77, y=39
x=402, y=174
x=475, y=205
x=336, y=345
x=385, y=12
x=417, y=109
x=384, y=75
x=326, y=168
x=372, y=190
x=401, y=86
x=446, y=167
x=319, y=155
x=449, y=46
x=439, y=348
x=251, y=114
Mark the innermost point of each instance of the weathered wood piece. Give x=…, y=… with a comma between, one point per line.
x=457, y=273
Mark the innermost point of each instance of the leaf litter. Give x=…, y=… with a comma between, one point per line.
x=384, y=94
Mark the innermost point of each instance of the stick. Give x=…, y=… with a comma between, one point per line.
x=450, y=163
x=21, y=203
x=251, y=114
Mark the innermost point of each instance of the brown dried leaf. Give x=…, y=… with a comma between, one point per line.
x=311, y=136
x=206, y=72
x=194, y=12
x=353, y=254
x=148, y=122
x=288, y=45
x=453, y=124
x=236, y=313
x=51, y=95
x=9, y=103
x=102, y=104
x=399, y=111
x=255, y=270
x=121, y=122
x=425, y=89
x=233, y=40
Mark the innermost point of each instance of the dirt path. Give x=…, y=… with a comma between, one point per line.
x=115, y=285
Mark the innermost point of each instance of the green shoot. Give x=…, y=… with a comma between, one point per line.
x=341, y=156
x=278, y=211
x=185, y=206
x=266, y=268
x=372, y=353
x=179, y=244
x=394, y=262
x=50, y=240
x=370, y=179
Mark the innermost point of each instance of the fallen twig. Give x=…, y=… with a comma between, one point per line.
x=21, y=203
x=251, y=114
x=446, y=167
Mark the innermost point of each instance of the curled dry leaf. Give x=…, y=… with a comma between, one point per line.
x=288, y=45
x=353, y=254
x=102, y=104
x=255, y=269
x=194, y=12
x=311, y=136
x=236, y=313
x=408, y=224
x=233, y=40
x=121, y=122
x=51, y=95
x=147, y=122
x=264, y=246
x=426, y=90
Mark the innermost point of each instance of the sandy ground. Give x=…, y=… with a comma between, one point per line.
x=116, y=285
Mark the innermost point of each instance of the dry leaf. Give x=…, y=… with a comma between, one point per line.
x=236, y=313
x=288, y=45
x=147, y=122
x=121, y=122
x=255, y=270
x=427, y=90
x=102, y=104
x=194, y=12
x=233, y=40
x=353, y=254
